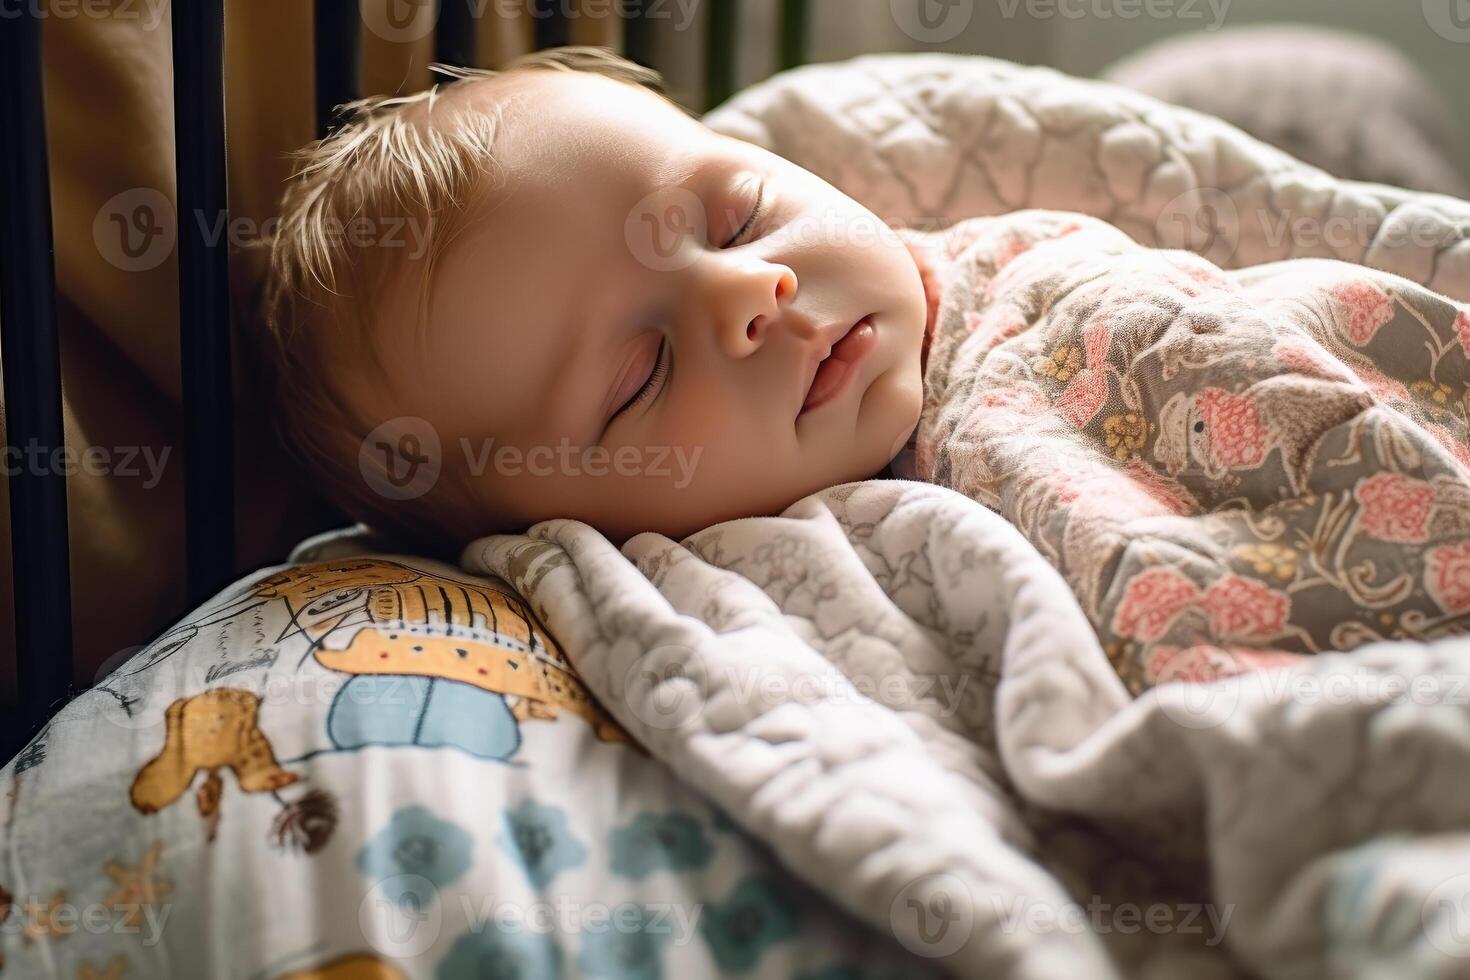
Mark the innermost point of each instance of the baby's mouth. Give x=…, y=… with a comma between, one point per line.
x=831, y=375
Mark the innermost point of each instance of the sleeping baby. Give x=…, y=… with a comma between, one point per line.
x=620, y=316
x=606, y=281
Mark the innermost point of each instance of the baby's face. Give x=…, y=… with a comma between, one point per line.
x=638, y=318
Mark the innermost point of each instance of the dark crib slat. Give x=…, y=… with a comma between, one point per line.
x=796, y=18
x=454, y=37
x=338, y=26
x=552, y=27
x=31, y=352
x=637, y=33
x=720, y=45
x=204, y=296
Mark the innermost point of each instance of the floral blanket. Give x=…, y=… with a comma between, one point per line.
x=1230, y=469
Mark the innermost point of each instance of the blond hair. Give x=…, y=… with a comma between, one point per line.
x=391, y=162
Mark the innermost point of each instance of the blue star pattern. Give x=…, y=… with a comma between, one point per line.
x=495, y=954
x=415, y=855
x=755, y=915
x=538, y=835
x=627, y=947
x=675, y=841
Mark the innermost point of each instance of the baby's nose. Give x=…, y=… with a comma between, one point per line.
x=755, y=330
x=741, y=338
x=745, y=336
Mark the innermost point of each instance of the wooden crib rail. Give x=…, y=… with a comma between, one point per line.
x=204, y=297
x=39, y=549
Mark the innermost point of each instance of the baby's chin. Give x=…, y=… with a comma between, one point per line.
x=889, y=414
x=892, y=408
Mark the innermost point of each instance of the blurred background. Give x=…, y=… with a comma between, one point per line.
x=1278, y=64
x=1367, y=89
x=1328, y=64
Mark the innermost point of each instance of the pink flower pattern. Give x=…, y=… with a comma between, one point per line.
x=1307, y=357
x=1394, y=507
x=1095, y=341
x=1367, y=308
x=1242, y=608
x=1197, y=664
x=1237, y=435
x=1447, y=576
x=1151, y=601
x=1268, y=502
x=1083, y=397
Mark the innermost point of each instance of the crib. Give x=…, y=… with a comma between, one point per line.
x=335, y=788
x=33, y=413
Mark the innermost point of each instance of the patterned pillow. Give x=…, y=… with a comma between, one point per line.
x=373, y=765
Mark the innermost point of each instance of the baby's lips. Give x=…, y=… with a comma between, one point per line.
x=834, y=372
x=857, y=343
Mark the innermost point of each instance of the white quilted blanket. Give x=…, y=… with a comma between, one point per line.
x=925, y=140
x=889, y=685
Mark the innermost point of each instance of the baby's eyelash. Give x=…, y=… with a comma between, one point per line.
x=655, y=378
x=755, y=215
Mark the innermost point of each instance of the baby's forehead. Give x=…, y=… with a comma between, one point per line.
x=543, y=112
x=543, y=95
x=573, y=154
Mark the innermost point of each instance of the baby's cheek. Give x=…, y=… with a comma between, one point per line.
x=705, y=429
